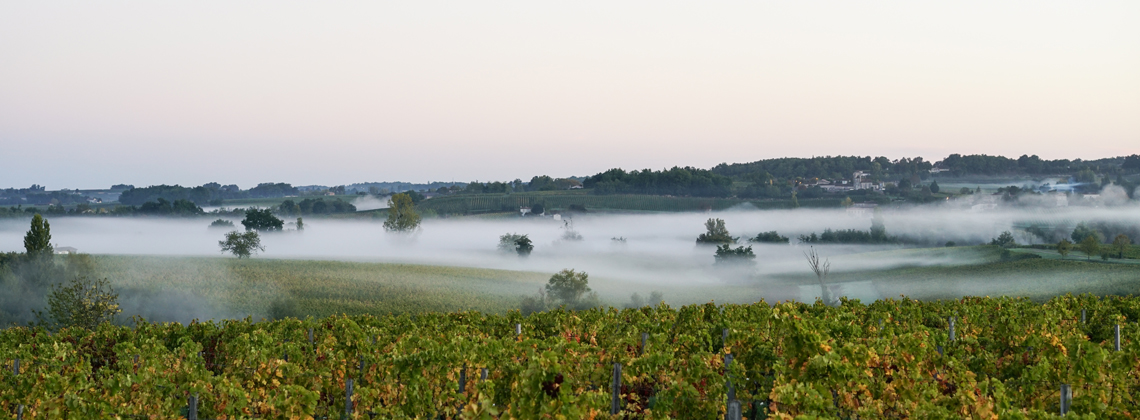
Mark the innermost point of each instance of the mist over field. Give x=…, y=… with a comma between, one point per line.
x=658, y=248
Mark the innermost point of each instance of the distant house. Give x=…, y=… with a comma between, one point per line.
x=523, y=211
x=94, y=200
x=861, y=209
x=936, y=170
x=66, y=250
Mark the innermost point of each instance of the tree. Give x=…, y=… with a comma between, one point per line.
x=222, y=223
x=821, y=270
x=523, y=246
x=847, y=202
x=513, y=242
x=795, y=201
x=37, y=242
x=242, y=245
x=716, y=233
x=1005, y=240
x=934, y=187
x=1090, y=246
x=568, y=286
x=300, y=224
x=1063, y=247
x=726, y=254
x=1120, y=244
x=402, y=216
x=262, y=220
x=878, y=227
x=769, y=237
x=82, y=303
x=1083, y=231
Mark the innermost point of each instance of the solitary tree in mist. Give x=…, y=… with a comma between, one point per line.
x=568, y=286
x=1120, y=243
x=402, y=216
x=37, y=242
x=716, y=233
x=242, y=245
x=1090, y=246
x=82, y=302
x=300, y=224
x=1005, y=240
x=934, y=187
x=1063, y=247
x=878, y=227
x=821, y=270
x=727, y=255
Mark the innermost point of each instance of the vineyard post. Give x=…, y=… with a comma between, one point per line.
x=192, y=412
x=136, y=363
x=951, y=329
x=16, y=366
x=641, y=350
x=348, y=397
x=615, y=400
x=733, y=412
x=1117, y=337
x=1083, y=315
x=1066, y=398
x=310, y=336
x=20, y=412
x=724, y=337
x=880, y=326
x=463, y=380
x=728, y=380
x=361, y=365
x=483, y=374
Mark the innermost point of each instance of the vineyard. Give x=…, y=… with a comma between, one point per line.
x=968, y=358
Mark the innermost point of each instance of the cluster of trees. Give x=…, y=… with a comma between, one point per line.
x=515, y=243
x=1032, y=165
x=314, y=206
x=200, y=195
x=211, y=193
x=687, y=181
x=876, y=235
x=39, y=289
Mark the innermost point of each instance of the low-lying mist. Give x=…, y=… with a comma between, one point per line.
x=639, y=250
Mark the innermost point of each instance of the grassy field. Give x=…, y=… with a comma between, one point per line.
x=984, y=273
x=274, y=288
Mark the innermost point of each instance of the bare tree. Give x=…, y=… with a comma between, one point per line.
x=821, y=269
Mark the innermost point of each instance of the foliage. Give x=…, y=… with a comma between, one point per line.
x=221, y=223
x=687, y=181
x=1084, y=230
x=1089, y=246
x=37, y=242
x=300, y=224
x=161, y=207
x=636, y=301
x=82, y=303
x=262, y=220
x=726, y=254
x=790, y=360
x=1120, y=244
x=314, y=206
x=242, y=244
x=770, y=237
x=568, y=287
x=716, y=233
x=515, y=243
x=847, y=236
x=1005, y=240
x=1064, y=247
x=402, y=216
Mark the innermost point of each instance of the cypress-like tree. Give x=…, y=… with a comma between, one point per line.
x=37, y=243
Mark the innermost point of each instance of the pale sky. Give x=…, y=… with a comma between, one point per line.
x=96, y=93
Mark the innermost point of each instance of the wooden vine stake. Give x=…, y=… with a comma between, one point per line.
x=615, y=400
x=1066, y=398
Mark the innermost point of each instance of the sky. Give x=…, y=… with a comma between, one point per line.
x=100, y=93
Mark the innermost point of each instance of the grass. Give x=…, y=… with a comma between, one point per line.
x=270, y=287
x=984, y=273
